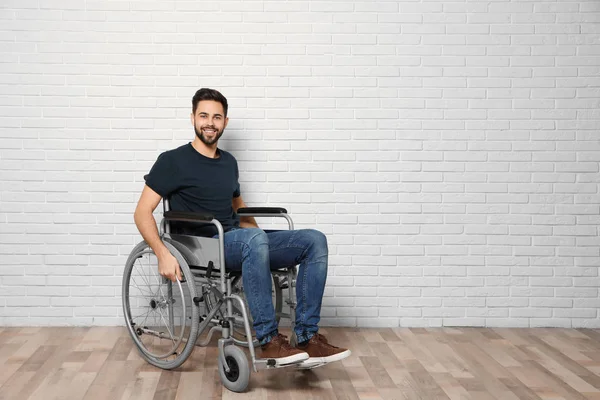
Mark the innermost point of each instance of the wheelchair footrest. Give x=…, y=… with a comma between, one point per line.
x=268, y=363
x=310, y=365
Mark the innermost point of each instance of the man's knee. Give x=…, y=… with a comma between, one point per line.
x=256, y=247
x=317, y=239
x=256, y=239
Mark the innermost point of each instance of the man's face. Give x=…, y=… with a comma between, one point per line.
x=209, y=121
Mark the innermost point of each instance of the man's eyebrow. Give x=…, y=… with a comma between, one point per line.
x=205, y=113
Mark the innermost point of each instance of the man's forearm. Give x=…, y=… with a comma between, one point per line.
x=248, y=222
x=146, y=224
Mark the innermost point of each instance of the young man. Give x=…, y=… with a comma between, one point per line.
x=200, y=177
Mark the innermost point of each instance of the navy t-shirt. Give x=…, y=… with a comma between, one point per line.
x=196, y=183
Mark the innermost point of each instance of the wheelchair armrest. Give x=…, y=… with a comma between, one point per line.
x=261, y=210
x=187, y=216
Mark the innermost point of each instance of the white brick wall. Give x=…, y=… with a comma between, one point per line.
x=450, y=150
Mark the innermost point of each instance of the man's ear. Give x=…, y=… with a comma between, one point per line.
x=192, y=118
x=226, y=122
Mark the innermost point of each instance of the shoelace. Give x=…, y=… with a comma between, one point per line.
x=284, y=341
x=323, y=340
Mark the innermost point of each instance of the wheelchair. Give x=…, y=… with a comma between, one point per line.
x=167, y=319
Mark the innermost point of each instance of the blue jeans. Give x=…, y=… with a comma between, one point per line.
x=254, y=252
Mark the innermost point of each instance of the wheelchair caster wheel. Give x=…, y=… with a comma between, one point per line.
x=238, y=376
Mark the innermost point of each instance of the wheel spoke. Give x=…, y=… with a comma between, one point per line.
x=141, y=272
x=166, y=326
x=140, y=289
x=145, y=319
x=143, y=314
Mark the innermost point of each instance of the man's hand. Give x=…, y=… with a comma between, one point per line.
x=169, y=267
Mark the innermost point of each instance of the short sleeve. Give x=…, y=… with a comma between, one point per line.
x=161, y=177
x=236, y=190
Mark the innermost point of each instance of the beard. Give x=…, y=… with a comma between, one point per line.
x=206, y=140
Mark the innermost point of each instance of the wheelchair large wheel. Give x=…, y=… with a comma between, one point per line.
x=238, y=331
x=160, y=315
x=238, y=376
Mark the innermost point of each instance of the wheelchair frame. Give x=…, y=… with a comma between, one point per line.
x=197, y=257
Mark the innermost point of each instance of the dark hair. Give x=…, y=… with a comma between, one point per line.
x=208, y=94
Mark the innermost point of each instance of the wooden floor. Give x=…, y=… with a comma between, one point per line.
x=400, y=363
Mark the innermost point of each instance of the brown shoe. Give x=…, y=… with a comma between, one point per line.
x=282, y=352
x=321, y=352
